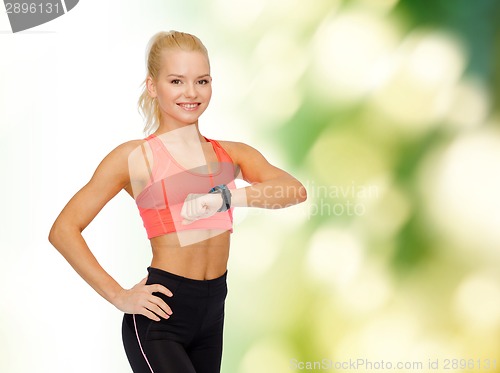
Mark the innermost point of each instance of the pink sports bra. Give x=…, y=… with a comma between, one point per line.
x=161, y=201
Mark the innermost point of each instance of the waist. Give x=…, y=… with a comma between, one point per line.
x=200, y=260
x=188, y=286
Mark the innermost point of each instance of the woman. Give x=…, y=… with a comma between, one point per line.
x=183, y=185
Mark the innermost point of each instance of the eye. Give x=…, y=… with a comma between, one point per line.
x=175, y=81
x=203, y=81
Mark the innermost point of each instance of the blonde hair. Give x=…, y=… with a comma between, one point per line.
x=161, y=41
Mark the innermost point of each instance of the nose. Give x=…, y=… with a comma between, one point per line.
x=190, y=91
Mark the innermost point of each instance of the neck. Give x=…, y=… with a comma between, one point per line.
x=186, y=134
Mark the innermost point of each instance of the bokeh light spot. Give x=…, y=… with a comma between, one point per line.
x=418, y=85
x=237, y=15
x=368, y=292
x=334, y=256
x=281, y=62
x=462, y=187
x=347, y=50
x=341, y=157
x=470, y=104
x=477, y=302
x=390, y=337
x=267, y=355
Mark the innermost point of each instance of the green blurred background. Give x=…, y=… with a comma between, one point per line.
x=386, y=110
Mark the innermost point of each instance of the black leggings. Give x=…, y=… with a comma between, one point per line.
x=190, y=341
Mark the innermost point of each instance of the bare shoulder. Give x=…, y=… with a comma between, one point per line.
x=123, y=152
x=126, y=148
x=117, y=160
x=239, y=150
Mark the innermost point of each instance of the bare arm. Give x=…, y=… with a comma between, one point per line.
x=110, y=177
x=271, y=187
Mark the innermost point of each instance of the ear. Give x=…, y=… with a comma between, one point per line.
x=151, y=87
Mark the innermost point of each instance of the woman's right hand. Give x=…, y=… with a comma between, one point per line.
x=140, y=300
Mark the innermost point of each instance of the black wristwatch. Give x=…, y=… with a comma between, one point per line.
x=226, y=196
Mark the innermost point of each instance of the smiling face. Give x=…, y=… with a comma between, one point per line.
x=183, y=88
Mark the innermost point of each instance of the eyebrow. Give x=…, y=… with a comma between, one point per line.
x=182, y=76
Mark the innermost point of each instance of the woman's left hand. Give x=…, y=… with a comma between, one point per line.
x=200, y=206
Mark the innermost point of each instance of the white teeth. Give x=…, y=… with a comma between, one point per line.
x=189, y=106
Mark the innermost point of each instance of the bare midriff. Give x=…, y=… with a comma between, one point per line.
x=203, y=260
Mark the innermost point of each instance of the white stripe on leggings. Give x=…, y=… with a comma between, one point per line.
x=140, y=345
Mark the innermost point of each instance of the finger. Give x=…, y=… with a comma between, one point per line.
x=143, y=281
x=162, y=309
x=160, y=303
x=202, y=207
x=188, y=210
x=184, y=209
x=208, y=212
x=150, y=315
x=199, y=206
x=157, y=288
x=195, y=207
